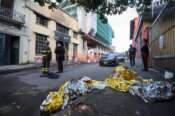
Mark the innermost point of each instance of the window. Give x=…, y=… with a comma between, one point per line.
x=75, y=35
x=41, y=20
x=62, y=29
x=40, y=43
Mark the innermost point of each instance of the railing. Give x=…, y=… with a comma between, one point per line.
x=62, y=36
x=12, y=15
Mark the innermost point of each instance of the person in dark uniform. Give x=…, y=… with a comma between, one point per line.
x=145, y=55
x=47, y=56
x=60, y=51
x=132, y=54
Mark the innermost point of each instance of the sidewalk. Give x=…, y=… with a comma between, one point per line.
x=16, y=68
x=150, y=74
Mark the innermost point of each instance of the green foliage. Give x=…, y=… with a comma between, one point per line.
x=106, y=7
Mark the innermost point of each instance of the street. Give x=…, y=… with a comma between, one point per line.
x=40, y=37
x=23, y=92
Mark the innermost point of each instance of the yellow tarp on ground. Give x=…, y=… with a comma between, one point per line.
x=55, y=100
x=121, y=80
x=119, y=84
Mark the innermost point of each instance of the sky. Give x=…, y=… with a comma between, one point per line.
x=121, y=28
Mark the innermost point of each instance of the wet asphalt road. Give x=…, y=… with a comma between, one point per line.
x=21, y=93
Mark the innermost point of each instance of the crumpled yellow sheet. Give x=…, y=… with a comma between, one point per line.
x=124, y=72
x=121, y=80
x=119, y=84
x=55, y=100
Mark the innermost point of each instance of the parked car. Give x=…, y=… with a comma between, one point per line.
x=109, y=60
x=121, y=59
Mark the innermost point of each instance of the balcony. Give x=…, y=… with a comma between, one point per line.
x=59, y=36
x=11, y=16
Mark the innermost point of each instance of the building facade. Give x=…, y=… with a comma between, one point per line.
x=97, y=36
x=25, y=26
x=139, y=32
x=12, y=32
x=162, y=36
x=140, y=26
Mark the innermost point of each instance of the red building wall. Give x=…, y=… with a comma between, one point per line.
x=143, y=34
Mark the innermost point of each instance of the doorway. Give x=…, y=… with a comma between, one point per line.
x=66, y=46
x=2, y=49
x=75, y=52
x=9, y=49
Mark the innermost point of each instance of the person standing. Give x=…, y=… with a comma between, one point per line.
x=145, y=54
x=60, y=51
x=47, y=56
x=132, y=53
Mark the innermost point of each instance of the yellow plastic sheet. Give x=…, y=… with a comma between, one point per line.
x=125, y=73
x=55, y=100
x=121, y=80
x=119, y=84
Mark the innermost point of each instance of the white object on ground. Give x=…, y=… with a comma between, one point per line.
x=168, y=75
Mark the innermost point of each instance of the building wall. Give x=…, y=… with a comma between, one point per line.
x=33, y=28
x=104, y=32
x=140, y=32
x=163, y=50
x=87, y=21
x=135, y=42
x=16, y=31
x=142, y=35
x=28, y=32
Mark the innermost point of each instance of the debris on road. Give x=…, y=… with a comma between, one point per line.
x=119, y=84
x=168, y=75
x=123, y=79
x=55, y=100
x=124, y=73
x=158, y=90
x=69, y=91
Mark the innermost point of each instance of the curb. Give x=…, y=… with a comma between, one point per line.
x=34, y=67
x=7, y=71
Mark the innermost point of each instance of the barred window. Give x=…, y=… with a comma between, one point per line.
x=40, y=43
x=41, y=20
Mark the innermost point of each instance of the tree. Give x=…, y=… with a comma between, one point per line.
x=106, y=7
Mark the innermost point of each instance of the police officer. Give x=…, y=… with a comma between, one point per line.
x=60, y=52
x=47, y=56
